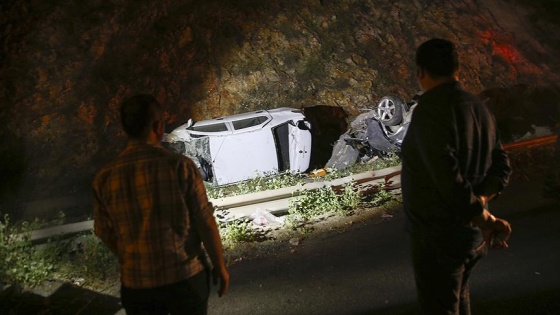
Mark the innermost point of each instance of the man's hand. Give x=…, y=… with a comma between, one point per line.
x=495, y=231
x=222, y=275
x=499, y=234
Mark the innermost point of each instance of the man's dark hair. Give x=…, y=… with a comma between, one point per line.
x=138, y=113
x=438, y=57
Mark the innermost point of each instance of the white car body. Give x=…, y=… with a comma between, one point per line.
x=243, y=146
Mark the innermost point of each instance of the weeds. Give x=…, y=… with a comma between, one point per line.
x=259, y=183
x=312, y=203
x=93, y=258
x=24, y=264
x=349, y=199
x=376, y=163
x=390, y=159
x=380, y=198
x=237, y=231
x=21, y=263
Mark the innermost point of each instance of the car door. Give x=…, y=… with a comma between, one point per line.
x=300, y=145
x=293, y=145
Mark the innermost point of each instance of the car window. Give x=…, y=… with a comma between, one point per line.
x=210, y=128
x=248, y=122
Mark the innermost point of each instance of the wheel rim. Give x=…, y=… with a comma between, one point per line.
x=386, y=110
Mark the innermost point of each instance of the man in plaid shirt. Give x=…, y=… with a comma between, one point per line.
x=151, y=210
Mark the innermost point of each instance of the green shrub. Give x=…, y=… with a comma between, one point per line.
x=259, y=183
x=321, y=201
x=349, y=199
x=237, y=231
x=94, y=260
x=380, y=198
x=21, y=263
x=387, y=160
x=377, y=163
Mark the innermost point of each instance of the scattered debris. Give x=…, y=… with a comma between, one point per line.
x=79, y=281
x=294, y=241
x=265, y=218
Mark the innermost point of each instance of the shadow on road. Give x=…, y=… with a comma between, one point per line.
x=67, y=299
x=70, y=299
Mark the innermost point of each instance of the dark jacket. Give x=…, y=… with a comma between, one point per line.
x=451, y=154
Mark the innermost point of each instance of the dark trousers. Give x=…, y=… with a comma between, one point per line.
x=186, y=297
x=442, y=276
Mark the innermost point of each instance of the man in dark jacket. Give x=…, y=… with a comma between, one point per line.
x=452, y=165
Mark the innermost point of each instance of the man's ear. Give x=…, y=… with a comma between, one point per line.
x=456, y=75
x=421, y=78
x=158, y=127
x=420, y=73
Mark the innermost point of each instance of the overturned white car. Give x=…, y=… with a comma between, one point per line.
x=239, y=147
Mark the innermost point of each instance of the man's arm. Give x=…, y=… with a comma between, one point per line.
x=205, y=223
x=210, y=237
x=495, y=231
x=102, y=225
x=497, y=176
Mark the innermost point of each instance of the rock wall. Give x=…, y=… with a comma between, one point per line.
x=65, y=66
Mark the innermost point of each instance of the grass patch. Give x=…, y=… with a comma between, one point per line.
x=24, y=264
x=326, y=200
x=21, y=263
x=259, y=183
x=86, y=257
x=236, y=232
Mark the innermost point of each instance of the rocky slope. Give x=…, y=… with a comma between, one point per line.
x=66, y=65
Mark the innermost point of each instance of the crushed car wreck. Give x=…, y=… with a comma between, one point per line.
x=376, y=132
x=239, y=147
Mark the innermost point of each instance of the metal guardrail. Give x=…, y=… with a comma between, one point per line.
x=273, y=201
x=277, y=201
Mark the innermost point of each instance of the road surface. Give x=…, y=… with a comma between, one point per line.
x=366, y=270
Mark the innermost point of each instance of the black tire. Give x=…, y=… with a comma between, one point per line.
x=389, y=110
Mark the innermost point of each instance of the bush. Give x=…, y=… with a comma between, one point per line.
x=21, y=263
x=259, y=183
x=237, y=231
x=94, y=259
x=379, y=198
x=324, y=200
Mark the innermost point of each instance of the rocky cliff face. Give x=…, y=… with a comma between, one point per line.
x=66, y=65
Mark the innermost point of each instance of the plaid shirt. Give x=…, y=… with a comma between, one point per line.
x=144, y=206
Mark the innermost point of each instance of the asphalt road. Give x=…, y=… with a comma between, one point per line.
x=366, y=269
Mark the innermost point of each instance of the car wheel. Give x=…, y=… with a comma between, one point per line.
x=389, y=110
